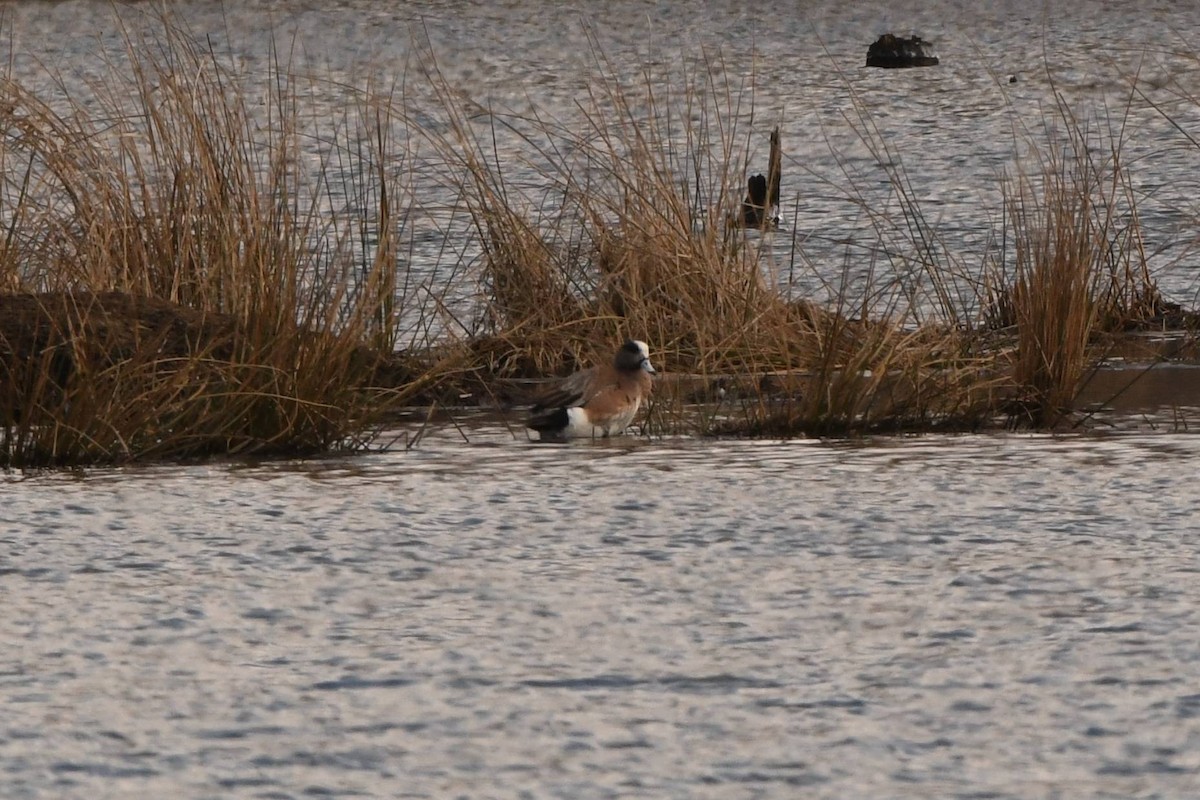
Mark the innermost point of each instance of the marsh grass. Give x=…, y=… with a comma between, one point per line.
x=632, y=242
x=192, y=285
x=1078, y=271
x=638, y=243
x=164, y=191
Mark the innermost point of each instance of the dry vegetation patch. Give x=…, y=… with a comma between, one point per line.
x=180, y=280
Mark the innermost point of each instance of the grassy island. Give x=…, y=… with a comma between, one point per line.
x=192, y=267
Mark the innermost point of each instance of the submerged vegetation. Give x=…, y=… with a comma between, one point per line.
x=190, y=268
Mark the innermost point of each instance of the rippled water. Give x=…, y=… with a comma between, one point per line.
x=1127, y=70
x=994, y=616
x=997, y=616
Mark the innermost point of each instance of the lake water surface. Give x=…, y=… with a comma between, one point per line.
x=992, y=616
x=1125, y=72
x=978, y=617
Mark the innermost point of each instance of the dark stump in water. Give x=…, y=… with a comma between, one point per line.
x=762, y=191
x=894, y=52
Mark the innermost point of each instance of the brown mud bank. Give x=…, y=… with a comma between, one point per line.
x=65, y=335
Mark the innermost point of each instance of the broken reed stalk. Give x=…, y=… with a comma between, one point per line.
x=760, y=208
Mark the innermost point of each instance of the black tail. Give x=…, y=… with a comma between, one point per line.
x=549, y=420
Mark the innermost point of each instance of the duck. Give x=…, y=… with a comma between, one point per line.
x=598, y=402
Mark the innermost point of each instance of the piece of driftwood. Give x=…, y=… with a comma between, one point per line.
x=898, y=52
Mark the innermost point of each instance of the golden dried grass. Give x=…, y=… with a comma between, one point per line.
x=638, y=244
x=1078, y=269
x=612, y=224
x=167, y=187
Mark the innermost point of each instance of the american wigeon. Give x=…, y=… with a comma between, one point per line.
x=596, y=402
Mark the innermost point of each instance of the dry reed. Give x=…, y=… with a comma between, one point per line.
x=639, y=243
x=167, y=188
x=1078, y=270
x=191, y=288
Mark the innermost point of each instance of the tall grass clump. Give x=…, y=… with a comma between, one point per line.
x=638, y=236
x=184, y=284
x=627, y=233
x=1076, y=269
x=621, y=220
